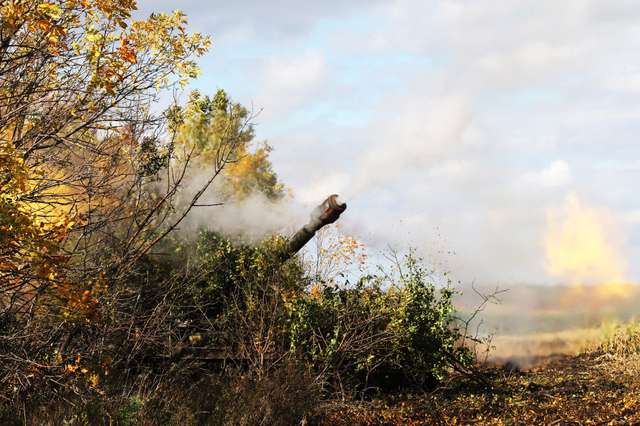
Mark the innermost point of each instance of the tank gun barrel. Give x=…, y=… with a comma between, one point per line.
x=324, y=214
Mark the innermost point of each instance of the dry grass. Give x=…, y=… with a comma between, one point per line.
x=536, y=345
x=525, y=350
x=622, y=340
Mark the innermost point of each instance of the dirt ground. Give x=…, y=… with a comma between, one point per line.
x=593, y=388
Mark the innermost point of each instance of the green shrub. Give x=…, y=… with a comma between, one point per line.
x=385, y=331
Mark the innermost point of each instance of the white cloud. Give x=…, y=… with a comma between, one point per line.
x=532, y=61
x=413, y=133
x=294, y=74
x=632, y=217
x=275, y=20
x=557, y=174
x=627, y=83
x=287, y=82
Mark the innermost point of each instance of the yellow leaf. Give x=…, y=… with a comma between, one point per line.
x=50, y=10
x=94, y=380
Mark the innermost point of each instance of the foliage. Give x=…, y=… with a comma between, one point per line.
x=225, y=278
x=426, y=320
x=204, y=123
x=28, y=236
x=216, y=300
x=335, y=256
x=76, y=80
x=398, y=327
x=386, y=331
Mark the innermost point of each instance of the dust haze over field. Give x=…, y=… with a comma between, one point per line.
x=583, y=252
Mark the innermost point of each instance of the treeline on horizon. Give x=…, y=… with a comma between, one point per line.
x=107, y=314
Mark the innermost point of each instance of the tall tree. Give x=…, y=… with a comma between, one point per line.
x=206, y=124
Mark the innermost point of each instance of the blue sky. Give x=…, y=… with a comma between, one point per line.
x=454, y=126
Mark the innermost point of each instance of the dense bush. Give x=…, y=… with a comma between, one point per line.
x=396, y=328
x=393, y=329
x=220, y=319
x=385, y=331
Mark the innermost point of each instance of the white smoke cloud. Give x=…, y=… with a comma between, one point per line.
x=250, y=219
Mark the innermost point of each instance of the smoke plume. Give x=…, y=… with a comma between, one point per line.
x=249, y=219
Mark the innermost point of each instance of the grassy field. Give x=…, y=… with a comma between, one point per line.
x=521, y=310
x=527, y=350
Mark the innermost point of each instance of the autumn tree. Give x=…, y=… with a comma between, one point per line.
x=79, y=140
x=206, y=123
x=92, y=180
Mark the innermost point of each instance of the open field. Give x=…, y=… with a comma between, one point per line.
x=559, y=356
x=600, y=386
x=531, y=323
x=527, y=350
x=540, y=309
x=585, y=389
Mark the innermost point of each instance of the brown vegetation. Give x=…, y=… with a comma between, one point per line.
x=591, y=388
